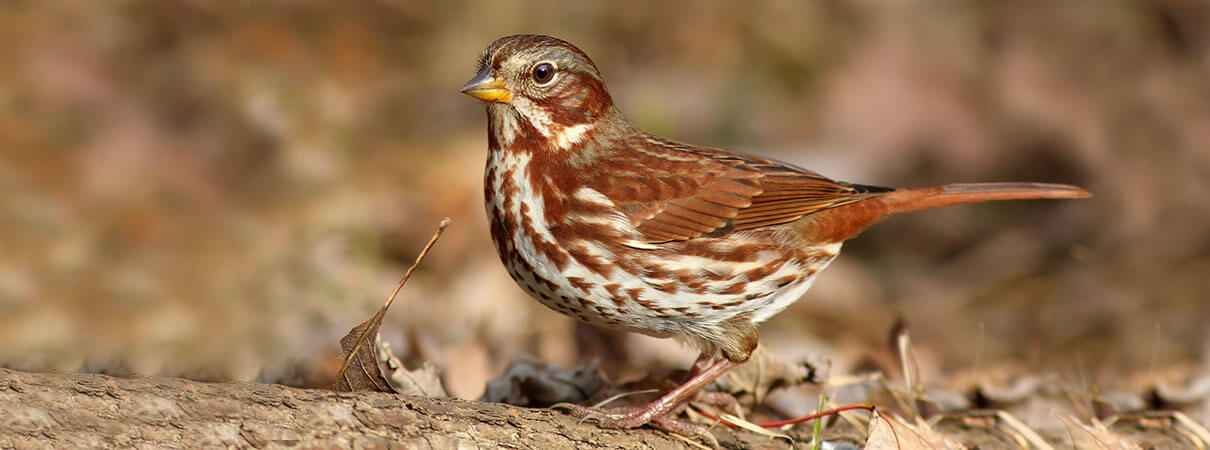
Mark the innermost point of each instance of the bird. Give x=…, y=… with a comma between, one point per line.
x=620, y=228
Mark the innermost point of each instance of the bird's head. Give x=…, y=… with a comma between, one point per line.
x=543, y=85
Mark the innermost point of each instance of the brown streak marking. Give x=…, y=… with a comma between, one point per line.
x=735, y=288
x=634, y=293
x=698, y=286
x=618, y=300
x=615, y=293
x=649, y=305
x=594, y=263
x=550, y=286
x=669, y=287
x=686, y=275
x=580, y=284
x=786, y=281
x=742, y=253
x=762, y=272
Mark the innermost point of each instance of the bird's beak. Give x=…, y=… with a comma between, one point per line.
x=486, y=87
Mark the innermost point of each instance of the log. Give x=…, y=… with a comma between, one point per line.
x=80, y=410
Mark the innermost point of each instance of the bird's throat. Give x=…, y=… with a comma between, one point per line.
x=524, y=125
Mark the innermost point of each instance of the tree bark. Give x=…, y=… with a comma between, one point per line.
x=77, y=410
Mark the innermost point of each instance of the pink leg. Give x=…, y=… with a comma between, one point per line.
x=658, y=408
x=702, y=363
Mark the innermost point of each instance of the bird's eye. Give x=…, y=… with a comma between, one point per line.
x=543, y=73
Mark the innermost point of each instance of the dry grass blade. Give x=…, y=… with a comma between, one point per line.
x=617, y=397
x=1021, y=429
x=690, y=441
x=741, y=423
x=911, y=370
x=1095, y=435
x=357, y=346
x=1197, y=429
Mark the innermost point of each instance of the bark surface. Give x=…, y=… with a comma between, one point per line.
x=77, y=410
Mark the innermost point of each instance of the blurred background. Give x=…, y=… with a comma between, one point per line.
x=221, y=190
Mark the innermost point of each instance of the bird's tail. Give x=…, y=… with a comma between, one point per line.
x=844, y=222
x=915, y=199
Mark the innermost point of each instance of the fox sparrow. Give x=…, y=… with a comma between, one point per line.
x=620, y=228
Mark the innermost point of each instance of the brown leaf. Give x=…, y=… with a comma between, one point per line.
x=529, y=382
x=765, y=372
x=1095, y=435
x=360, y=371
x=890, y=433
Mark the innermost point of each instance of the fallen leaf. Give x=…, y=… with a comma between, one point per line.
x=424, y=381
x=1096, y=436
x=886, y=432
x=532, y=383
x=765, y=372
x=361, y=370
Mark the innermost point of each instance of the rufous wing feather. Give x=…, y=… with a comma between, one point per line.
x=742, y=193
x=722, y=192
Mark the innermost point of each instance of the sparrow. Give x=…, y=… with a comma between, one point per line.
x=620, y=228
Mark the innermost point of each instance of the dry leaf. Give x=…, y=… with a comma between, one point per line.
x=360, y=371
x=888, y=433
x=424, y=381
x=1096, y=436
x=767, y=371
x=1193, y=389
x=529, y=382
x=359, y=351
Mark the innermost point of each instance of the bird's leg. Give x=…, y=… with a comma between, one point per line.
x=631, y=418
x=702, y=363
x=722, y=400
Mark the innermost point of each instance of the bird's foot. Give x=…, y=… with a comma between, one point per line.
x=662, y=412
x=724, y=401
x=626, y=417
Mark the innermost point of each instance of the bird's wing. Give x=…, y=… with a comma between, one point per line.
x=686, y=192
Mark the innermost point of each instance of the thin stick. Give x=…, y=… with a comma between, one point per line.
x=445, y=222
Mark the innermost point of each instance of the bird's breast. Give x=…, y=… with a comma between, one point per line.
x=566, y=273
x=573, y=250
